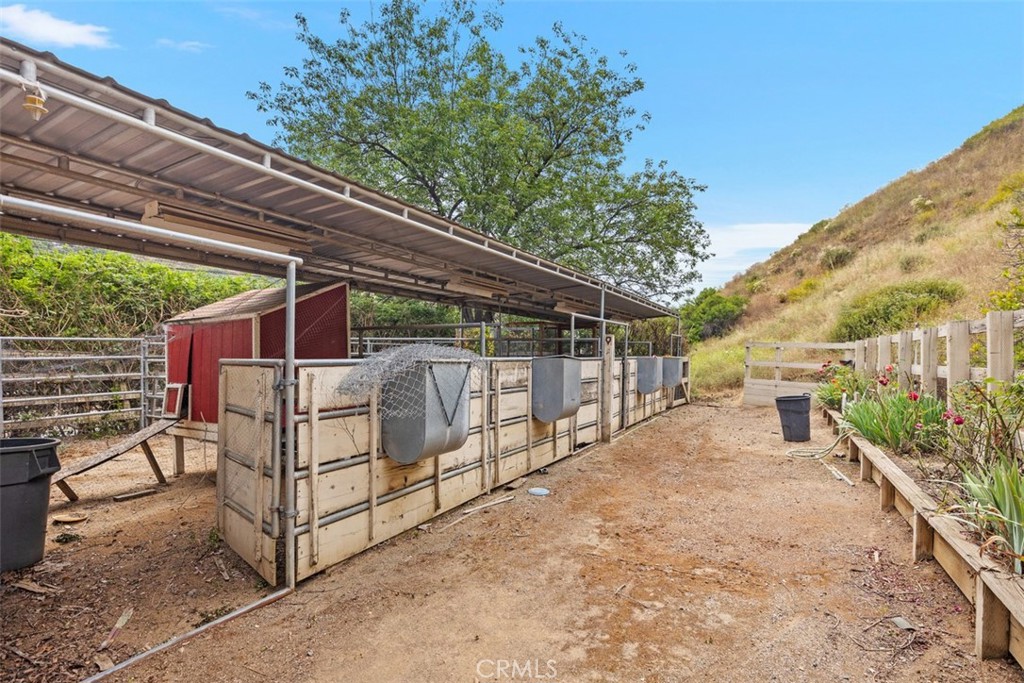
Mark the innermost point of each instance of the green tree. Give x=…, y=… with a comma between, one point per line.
x=711, y=314
x=420, y=105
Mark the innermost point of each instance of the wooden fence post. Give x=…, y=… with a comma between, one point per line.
x=999, y=357
x=929, y=360
x=859, y=360
x=958, y=354
x=884, y=351
x=871, y=355
x=906, y=360
x=778, y=363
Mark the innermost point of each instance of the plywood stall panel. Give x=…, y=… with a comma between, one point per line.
x=245, y=467
x=349, y=494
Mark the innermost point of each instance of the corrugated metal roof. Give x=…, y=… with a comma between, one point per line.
x=246, y=304
x=242, y=191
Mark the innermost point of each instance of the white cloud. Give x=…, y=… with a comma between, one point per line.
x=261, y=18
x=193, y=46
x=737, y=247
x=37, y=27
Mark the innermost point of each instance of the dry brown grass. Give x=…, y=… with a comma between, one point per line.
x=955, y=238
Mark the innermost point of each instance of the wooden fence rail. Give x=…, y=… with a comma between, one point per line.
x=929, y=359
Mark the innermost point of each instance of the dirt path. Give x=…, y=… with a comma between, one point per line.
x=690, y=549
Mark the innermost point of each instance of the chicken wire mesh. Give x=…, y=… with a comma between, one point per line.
x=399, y=374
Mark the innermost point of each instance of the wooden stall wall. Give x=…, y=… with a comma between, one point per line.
x=351, y=496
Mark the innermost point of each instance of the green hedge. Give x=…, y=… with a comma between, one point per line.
x=893, y=308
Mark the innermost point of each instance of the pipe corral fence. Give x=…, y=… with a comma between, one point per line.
x=67, y=385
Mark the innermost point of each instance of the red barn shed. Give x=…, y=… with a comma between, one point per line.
x=248, y=325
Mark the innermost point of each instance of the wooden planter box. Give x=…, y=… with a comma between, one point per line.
x=996, y=593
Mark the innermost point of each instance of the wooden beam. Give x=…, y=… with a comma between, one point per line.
x=999, y=351
x=958, y=355
x=929, y=360
x=924, y=537
x=153, y=464
x=607, y=378
x=887, y=494
x=991, y=623
x=906, y=361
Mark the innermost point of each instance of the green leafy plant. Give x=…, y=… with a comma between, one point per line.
x=835, y=380
x=994, y=503
x=833, y=258
x=893, y=308
x=801, y=291
x=903, y=422
x=711, y=314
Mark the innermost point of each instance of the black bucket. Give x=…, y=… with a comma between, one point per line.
x=26, y=466
x=795, y=414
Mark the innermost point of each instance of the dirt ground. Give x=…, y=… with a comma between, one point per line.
x=692, y=548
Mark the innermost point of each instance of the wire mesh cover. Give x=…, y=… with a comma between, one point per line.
x=424, y=398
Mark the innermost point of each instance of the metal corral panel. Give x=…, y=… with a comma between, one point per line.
x=672, y=371
x=556, y=387
x=648, y=374
x=430, y=411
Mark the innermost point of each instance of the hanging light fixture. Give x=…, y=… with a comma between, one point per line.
x=35, y=104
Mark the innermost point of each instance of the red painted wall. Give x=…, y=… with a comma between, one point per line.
x=210, y=343
x=321, y=327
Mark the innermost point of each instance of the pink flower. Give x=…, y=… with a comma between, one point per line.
x=883, y=380
x=948, y=415
x=888, y=368
x=913, y=395
x=918, y=426
x=958, y=419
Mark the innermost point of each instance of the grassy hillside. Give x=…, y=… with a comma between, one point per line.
x=939, y=223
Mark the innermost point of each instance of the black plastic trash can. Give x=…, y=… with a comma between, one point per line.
x=26, y=466
x=795, y=414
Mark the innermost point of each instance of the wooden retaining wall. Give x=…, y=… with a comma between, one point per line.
x=996, y=593
x=350, y=495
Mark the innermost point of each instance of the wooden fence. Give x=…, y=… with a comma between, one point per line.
x=929, y=359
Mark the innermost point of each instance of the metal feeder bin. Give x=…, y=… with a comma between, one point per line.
x=435, y=418
x=556, y=387
x=672, y=371
x=648, y=374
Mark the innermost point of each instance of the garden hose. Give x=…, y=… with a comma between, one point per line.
x=814, y=453
x=819, y=454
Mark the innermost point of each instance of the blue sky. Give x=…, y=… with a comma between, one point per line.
x=786, y=111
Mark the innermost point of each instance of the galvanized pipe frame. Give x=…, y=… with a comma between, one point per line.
x=142, y=377
x=453, y=231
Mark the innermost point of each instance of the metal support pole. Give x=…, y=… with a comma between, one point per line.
x=289, y=426
x=143, y=401
x=604, y=328
x=483, y=339
x=572, y=335
x=1, y=387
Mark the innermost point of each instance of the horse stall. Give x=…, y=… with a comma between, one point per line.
x=350, y=493
x=247, y=325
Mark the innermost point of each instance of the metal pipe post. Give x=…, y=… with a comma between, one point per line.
x=572, y=335
x=289, y=426
x=143, y=401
